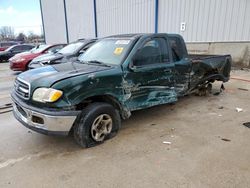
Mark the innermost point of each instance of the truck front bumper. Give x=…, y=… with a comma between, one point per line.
x=49, y=123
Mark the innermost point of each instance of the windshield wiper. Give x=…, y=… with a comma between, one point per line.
x=98, y=63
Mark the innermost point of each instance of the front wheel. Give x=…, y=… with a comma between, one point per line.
x=96, y=123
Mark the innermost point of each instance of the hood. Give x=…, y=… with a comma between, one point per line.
x=25, y=55
x=22, y=53
x=47, y=57
x=48, y=75
x=19, y=55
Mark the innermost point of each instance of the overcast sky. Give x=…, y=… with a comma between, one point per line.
x=22, y=15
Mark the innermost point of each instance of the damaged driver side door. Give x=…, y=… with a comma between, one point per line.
x=150, y=79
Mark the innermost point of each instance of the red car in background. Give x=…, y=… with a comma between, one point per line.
x=21, y=61
x=7, y=44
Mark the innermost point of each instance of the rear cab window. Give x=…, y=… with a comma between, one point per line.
x=176, y=48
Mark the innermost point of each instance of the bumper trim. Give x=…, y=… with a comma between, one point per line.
x=42, y=131
x=59, y=123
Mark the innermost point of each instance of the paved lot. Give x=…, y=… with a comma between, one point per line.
x=209, y=146
x=6, y=82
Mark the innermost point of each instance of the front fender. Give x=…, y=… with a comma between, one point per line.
x=77, y=89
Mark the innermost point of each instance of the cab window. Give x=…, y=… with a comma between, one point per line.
x=17, y=48
x=176, y=48
x=27, y=47
x=154, y=51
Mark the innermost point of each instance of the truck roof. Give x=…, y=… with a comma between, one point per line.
x=130, y=36
x=138, y=35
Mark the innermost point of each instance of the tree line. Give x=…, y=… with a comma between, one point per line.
x=7, y=33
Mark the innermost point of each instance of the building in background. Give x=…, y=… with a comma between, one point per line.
x=208, y=26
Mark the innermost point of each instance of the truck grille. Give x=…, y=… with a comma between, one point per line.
x=22, y=88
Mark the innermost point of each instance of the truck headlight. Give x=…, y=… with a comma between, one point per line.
x=46, y=95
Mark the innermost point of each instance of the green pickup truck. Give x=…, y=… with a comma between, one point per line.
x=117, y=75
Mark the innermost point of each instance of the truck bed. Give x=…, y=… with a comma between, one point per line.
x=212, y=61
x=204, y=56
x=208, y=68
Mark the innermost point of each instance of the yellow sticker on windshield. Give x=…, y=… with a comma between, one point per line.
x=118, y=51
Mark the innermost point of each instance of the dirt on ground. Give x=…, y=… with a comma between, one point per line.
x=197, y=142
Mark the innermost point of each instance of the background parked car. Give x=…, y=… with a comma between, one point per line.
x=13, y=50
x=7, y=44
x=68, y=53
x=21, y=61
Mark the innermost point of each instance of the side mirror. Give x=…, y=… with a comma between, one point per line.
x=131, y=66
x=137, y=59
x=134, y=64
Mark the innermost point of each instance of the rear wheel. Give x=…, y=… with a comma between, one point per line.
x=204, y=90
x=101, y=127
x=96, y=123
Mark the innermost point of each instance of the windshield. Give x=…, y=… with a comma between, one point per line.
x=108, y=51
x=40, y=49
x=71, y=48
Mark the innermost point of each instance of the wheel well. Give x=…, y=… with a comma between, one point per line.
x=100, y=98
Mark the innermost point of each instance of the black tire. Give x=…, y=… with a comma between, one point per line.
x=1, y=60
x=85, y=121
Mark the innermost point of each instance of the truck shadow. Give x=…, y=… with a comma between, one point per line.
x=141, y=120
